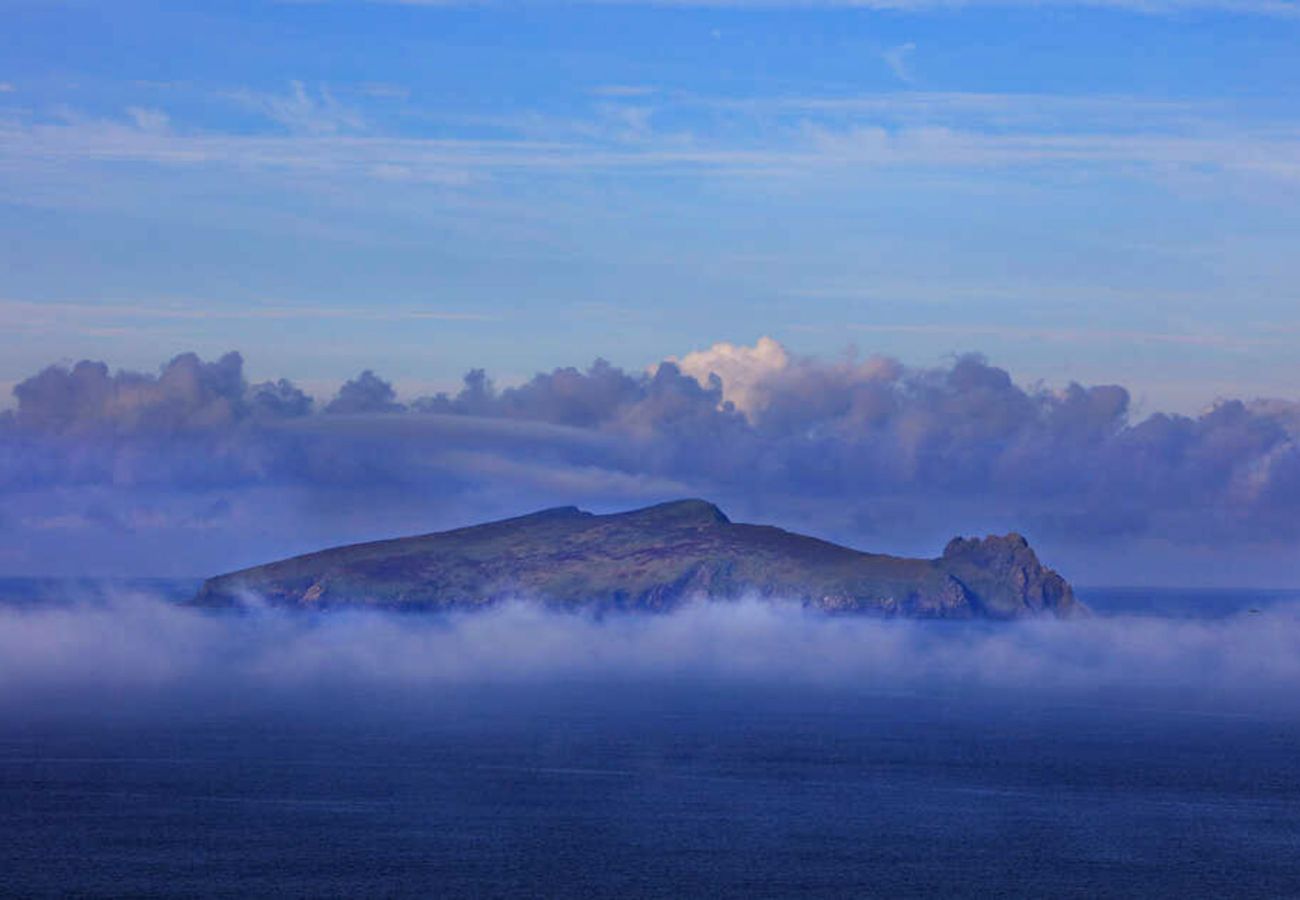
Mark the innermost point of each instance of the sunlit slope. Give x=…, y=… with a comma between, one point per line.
x=652, y=559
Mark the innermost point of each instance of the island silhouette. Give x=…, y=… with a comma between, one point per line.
x=652, y=560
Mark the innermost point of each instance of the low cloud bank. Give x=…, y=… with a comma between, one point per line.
x=135, y=650
x=855, y=449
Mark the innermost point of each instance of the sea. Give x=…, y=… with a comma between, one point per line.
x=152, y=751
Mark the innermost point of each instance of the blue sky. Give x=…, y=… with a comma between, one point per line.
x=830, y=205
x=1103, y=192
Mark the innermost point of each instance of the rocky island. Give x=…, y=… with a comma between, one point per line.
x=652, y=560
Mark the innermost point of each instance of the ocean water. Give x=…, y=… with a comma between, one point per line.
x=1154, y=752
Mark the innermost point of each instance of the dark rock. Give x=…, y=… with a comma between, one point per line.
x=650, y=560
x=1005, y=577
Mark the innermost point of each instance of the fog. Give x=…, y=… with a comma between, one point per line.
x=133, y=652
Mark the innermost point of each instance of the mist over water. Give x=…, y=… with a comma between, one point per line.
x=743, y=749
x=132, y=650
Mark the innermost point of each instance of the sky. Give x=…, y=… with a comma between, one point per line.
x=957, y=266
x=1099, y=192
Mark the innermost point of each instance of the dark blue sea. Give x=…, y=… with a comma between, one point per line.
x=1154, y=751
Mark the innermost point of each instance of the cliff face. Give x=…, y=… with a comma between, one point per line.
x=1005, y=577
x=652, y=559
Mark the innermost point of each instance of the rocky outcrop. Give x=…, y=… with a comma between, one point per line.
x=652, y=560
x=1005, y=579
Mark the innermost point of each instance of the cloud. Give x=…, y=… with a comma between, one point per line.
x=865, y=449
x=367, y=393
x=623, y=90
x=793, y=137
x=132, y=648
x=151, y=120
x=741, y=370
x=139, y=518
x=384, y=90
x=1283, y=8
x=302, y=111
x=1107, y=336
x=62, y=318
x=280, y=399
x=188, y=394
x=899, y=61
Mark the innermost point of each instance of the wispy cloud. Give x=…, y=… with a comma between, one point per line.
x=802, y=136
x=899, y=61
x=623, y=90
x=1286, y=8
x=37, y=316
x=384, y=90
x=1077, y=335
x=149, y=120
x=302, y=110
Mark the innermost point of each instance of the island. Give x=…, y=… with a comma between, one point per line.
x=651, y=560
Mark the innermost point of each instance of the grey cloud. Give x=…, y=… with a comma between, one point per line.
x=188, y=395
x=367, y=393
x=860, y=449
x=278, y=400
x=565, y=396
